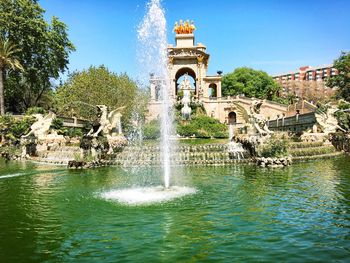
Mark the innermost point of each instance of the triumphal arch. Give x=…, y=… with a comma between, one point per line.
x=186, y=58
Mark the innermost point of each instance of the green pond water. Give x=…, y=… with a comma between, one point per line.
x=238, y=213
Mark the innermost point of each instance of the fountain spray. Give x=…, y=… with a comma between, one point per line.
x=152, y=36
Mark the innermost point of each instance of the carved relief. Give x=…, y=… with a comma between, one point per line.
x=200, y=59
x=171, y=60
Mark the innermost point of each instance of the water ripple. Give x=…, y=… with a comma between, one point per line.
x=238, y=213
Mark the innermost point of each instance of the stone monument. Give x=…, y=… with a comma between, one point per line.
x=109, y=126
x=41, y=134
x=186, y=57
x=256, y=123
x=326, y=123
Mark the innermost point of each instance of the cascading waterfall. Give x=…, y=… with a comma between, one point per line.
x=152, y=36
x=230, y=132
x=235, y=149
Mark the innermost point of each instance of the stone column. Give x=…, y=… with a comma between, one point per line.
x=218, y=90
x=199, y=79
x=153, y=90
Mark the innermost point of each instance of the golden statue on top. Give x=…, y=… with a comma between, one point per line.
x=186, y=27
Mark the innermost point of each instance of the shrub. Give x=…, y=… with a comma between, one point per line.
x=186, y=130
x=5, y=123
x=275, y=147
x=13, y=128
x=151, y=130
x=202, y=126
x=56, y=124
x=21, y=127
x=73, y=132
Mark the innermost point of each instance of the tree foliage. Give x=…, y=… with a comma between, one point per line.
x=44, y=46
x=251, y=83
x=342, y=80
x=8, y=52
x=95, y=86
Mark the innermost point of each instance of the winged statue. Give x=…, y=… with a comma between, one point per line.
x=41, y=127
x=326, y=120
x=108, y=122
x=256, y=122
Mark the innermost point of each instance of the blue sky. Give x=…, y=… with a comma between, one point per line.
x=274, y=35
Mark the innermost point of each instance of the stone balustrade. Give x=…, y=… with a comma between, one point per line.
x=296, y=124
x=72, y=122
x=69, y=122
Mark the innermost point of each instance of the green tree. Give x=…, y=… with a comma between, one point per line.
x=342, y=80
x=7, y=59
x=251, y=83
x=96, y=85
x=44, y=46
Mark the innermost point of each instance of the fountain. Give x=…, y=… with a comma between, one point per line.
x=185, y=86
x=152, y=37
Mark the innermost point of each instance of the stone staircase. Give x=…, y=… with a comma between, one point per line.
x=312, y=150
x=58, y=155
x=210, y=154
x=215, y=154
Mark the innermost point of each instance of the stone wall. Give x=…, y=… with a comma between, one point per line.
x=219, y=108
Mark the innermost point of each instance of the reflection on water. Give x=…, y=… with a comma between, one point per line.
x=299, y=213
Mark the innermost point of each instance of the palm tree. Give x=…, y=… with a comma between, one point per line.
x=7, y=59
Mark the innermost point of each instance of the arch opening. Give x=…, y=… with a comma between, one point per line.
x=179, y=76
x=212, y=91
x=232, y=118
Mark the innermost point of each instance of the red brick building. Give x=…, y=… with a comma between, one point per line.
x=307, y=83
